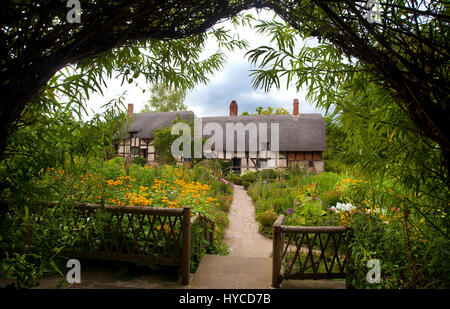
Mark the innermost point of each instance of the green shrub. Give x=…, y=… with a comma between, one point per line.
x=307, y=210
x=113, y=168
x=212, y=167
x=262, y=205
x=376, y=240
x=225, y=202
x=118, y=161
x=268, y=174
x=225, y=165
x=249, y=177
x=246, y=184
x=281, y=202
x=334, y=166
x=267, y=218
x=331, y=197
x=253, y=193
x=140, y=161
x=236, y=180
x=326, y=181
x=247, y=172
x=408, y=258
x=220, y=187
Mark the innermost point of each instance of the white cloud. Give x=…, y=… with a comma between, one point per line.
x=233, y=83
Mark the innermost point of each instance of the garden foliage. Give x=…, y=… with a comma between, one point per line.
x=66, y=161
x=384, y=227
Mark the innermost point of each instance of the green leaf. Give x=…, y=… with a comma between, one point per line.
x=55, y=267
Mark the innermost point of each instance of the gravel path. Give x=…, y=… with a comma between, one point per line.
x=242, y=234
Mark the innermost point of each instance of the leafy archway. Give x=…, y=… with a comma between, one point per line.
x=406, y=50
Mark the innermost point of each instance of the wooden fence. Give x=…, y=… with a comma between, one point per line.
x=204, y=240
x=310, y=252
x=150, y=235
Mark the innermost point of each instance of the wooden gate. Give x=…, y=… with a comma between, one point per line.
x=310, y=252
x=149, y=235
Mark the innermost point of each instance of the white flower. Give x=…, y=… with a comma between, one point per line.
x=376, y=211
x=345, y=207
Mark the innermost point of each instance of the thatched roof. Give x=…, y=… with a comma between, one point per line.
x=305, y=132
x=144, y=123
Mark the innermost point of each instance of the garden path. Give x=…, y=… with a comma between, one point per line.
x=242, y=236
x=249, y=265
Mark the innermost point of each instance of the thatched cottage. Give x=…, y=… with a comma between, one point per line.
x=301, y=138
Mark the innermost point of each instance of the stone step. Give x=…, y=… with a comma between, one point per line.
x=233, y=272
x=313, y=284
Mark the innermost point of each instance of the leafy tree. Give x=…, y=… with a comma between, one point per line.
x=159, y=40
x=163, y=140
x=385, y=85
x=269, y=111
x=388, y=146
x=406, y=52
x=405, y=170
x=372, y=112
x=49, y=70
x=335, y=136
x=30, y=234
x=164, y=99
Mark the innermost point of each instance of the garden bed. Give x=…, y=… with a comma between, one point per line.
x=129, y=211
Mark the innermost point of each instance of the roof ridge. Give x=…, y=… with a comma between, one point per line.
x=165, y=112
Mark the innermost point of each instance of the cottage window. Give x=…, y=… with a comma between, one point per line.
x=135, y=150
x=262, y=163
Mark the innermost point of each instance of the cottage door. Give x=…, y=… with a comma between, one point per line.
x=236, y=165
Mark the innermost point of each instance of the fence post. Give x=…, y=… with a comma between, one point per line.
x=277, y=252
x=186, y=253
x=348, y=259
x=211, y=239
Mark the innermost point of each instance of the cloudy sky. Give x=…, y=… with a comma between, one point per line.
x=232, y=83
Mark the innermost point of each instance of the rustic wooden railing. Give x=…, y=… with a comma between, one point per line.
x=149, y=235
x=310, y=252
x=205, y=241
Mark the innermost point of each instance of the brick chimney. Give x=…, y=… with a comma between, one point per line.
x=295, y=112
x=233, y=108
x=130, y=109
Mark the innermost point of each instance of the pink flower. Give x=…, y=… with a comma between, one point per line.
x=333, y=209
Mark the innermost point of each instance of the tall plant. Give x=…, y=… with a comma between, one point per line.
x=30, y=233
